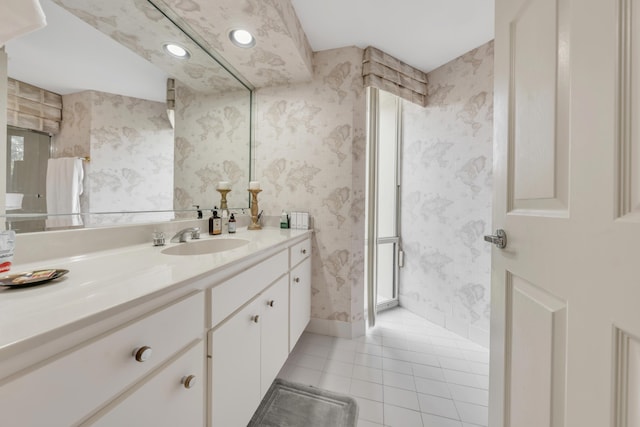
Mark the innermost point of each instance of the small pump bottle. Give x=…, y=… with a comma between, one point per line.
x=232, y=224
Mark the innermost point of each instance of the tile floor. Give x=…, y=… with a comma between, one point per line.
x=405, y=372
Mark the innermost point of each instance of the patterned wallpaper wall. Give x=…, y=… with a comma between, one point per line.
x=212, y=144
x=310, y=156
x=446, y=196
x=130, y=142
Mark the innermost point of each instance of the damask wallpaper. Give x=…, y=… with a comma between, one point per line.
x=310, y=156
x=446, y=197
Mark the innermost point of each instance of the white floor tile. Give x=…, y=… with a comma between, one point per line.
x=400, y=397
x=370, y=410
x=479, y=368
x=365, y=423
x=430, y=420
x=393, y=379
x=368, y=360
x=405, y=372
x=440, y=406
x=423, y=358
x=465, y=378
x=337, y=367
x=367, y=374
x=302, y=375
x=433, y=387
x=455, y=364
x=372, y=349
x=335, y=383
x=466, y=394
x=309, y=361
x=474, y=414
x=367, y=390
x=395, y=416
x=397, y=366
x=342, y=354
x=430, y=372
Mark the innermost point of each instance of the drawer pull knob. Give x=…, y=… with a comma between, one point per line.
x=142, y=354
x=296, y=279
x=303, y=251
x=270, y=303
x=189, y=381
x=255, y=319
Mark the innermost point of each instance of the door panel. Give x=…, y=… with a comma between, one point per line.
x=537, y=322
x=538, y=107
x=564, y=310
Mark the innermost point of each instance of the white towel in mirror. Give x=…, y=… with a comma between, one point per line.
x=20, y=17
x=64, y=187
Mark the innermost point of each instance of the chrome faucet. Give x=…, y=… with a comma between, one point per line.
x=181, y=236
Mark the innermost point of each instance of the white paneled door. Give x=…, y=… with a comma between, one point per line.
x=565, y=321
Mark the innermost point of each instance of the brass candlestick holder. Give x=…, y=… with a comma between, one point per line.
x=254, y=209
x=223, y=198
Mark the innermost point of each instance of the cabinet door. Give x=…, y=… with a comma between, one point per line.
x=275, y=333
x=173, y=397
x=299, y=301
x=234, y=348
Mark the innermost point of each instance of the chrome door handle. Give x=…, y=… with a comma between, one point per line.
x=499, y=239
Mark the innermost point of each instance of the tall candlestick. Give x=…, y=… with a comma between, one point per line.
x=223, y=198
x=254, y=209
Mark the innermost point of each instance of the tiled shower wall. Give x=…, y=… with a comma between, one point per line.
x=310, y=154
x=446, y=197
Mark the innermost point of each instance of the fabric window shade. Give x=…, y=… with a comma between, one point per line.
x=30, y=107
x=387, y=73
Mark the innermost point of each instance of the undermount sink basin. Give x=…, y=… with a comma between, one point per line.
x=201, y=247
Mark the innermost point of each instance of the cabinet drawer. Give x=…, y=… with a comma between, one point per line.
x=78, y=382
x=227, y=297
x=299, y=252
x=165, y=400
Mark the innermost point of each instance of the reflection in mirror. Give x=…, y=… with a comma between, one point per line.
x=147, y=135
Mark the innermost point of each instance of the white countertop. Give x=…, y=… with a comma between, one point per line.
x=104, y=280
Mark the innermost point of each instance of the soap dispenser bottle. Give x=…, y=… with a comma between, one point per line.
x=215, y=224
x=232, y=224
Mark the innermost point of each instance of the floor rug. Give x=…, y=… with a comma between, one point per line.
x=289, y=404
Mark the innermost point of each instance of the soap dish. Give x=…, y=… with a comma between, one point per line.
x=31, y=278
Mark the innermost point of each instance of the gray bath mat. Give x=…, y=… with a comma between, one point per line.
x=289, y=404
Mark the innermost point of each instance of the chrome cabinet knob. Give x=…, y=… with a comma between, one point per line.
x=270, y=303
x=296, y=279
x=303, y=251
x=255, y=319
x=188, y=381
x=142, y=354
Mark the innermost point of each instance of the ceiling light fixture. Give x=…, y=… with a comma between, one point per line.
x=176, y=50
x=242, y=38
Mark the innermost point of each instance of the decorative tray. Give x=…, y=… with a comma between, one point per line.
x=31, y=278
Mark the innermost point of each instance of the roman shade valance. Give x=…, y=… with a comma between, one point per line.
x=387, y=73
x=30, y=107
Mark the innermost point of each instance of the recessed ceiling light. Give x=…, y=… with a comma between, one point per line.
x=242, y=38
x=176, y=50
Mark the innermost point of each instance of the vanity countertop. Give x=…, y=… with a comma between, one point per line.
x=101, y=281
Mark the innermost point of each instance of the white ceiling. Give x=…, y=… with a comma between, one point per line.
x=422, y=33
x=69, y=55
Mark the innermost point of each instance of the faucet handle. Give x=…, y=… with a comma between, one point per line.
x=195, y=234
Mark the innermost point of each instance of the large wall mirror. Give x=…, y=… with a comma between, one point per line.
x=97, y=94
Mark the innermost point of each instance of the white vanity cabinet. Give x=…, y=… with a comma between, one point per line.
x=248, y=348
x=299, y=290
x=77, y=383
